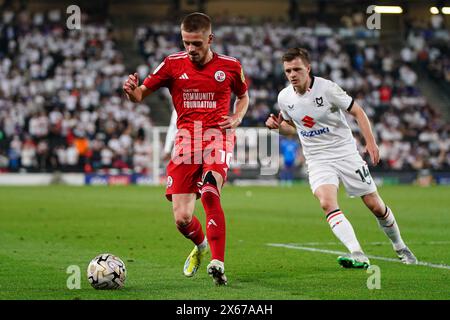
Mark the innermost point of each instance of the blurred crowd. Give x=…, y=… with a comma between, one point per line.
x=62, y=107
x=61, y=103
x=411, y=134
x=428, y=44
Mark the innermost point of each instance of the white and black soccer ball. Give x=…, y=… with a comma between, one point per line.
x=106, y=271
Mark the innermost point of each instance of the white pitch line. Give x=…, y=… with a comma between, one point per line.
x=420, y=263
x=377, y=243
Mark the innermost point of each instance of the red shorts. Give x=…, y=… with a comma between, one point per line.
x=187, y=167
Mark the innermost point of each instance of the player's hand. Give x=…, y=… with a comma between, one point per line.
x=230, y=122
x=273, y=122
x=131, y=83
x=374, y=153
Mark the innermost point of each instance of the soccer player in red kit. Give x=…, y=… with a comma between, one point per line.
x=201, y=82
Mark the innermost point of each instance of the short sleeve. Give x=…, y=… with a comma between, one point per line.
x=339, y=98
x=239, y=85
x=283, y=110
x=160, y=77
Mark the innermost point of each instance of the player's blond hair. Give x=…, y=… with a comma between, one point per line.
x=196, y=22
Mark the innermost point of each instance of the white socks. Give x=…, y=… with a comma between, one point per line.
x=343, y=230
x=202, y=246
x=389, y=225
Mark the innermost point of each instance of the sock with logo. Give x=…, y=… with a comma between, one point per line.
x=343, y=230
x=389, y=225
x=193, y=230
x=215, y=221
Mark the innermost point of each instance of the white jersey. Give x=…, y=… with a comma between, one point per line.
x=319, y=117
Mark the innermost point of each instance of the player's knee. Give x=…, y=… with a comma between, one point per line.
x=182, y=217
x=182, y=221
x=378, y=209
x=327, y=204
x=375, y=204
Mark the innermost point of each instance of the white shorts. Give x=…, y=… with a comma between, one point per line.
x=351, y=170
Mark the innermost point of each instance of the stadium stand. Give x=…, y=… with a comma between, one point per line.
x=412, y=135
x=61, y=105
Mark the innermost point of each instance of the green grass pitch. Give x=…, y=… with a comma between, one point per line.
x=44, y=230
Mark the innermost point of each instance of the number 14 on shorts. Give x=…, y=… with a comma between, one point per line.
x=364, y=174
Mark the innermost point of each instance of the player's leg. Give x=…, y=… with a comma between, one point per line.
x=215, y=224
x=183, y=211
x=355, y=176
x=341, y=227
x=217, y=158
x=182, y=190
x=388, y=224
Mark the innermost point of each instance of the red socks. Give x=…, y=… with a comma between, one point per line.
x=215, y=221
x=193, y=231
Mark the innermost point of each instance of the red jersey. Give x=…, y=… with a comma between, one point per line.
x=199, y=93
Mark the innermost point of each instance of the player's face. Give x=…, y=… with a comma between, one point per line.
x=297, y=72
x=197, y=45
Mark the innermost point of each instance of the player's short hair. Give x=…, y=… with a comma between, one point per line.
x=294, y=53
x=196, y=22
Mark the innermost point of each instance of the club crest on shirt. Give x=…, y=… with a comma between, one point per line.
x=319, y=102
x=220, y=76
x=169, y=181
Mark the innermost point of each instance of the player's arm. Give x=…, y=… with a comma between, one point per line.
x=234, y=120
x=285, y=127
x=134, y=91
x=366, y=130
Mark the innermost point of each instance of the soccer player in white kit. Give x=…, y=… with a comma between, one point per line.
x=314, y=107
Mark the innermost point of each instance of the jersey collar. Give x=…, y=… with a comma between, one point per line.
x=307, y=90
x=312, y=82
x=214, y=57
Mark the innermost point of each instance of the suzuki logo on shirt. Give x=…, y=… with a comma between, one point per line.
x=308, y=121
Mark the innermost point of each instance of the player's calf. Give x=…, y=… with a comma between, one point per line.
x=215, y=218
x=191, y=230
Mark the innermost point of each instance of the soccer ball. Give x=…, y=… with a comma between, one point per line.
x=106, y=271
